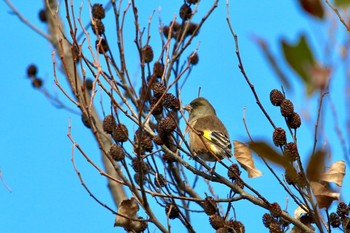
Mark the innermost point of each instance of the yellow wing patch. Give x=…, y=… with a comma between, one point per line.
x=207, y=135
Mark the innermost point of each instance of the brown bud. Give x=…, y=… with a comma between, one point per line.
x=108, y=124
x=147, y=53
x=98, y=28
x=279, y=137
x=287, y=108
x=276, y=97
x=88, y=84
x=294, y=120
x=156, y=109
x=209, y=206
x=139, y=165
x=42, y=16
x=194, y=58
x=98, y=11
x=185, y=12
x=37, y=82
x=216, y=221
x=171, y=211
x=117, y=152
x=32, y=70
x=158, y=69
x=192, y=1
x=120, y=133
x=101, y=46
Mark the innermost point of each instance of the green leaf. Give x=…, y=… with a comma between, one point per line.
x=342, y=3
x=300, y=57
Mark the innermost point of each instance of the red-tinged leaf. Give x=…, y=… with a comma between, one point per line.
x=313, y=7
x=316, y=165
x=300, y=57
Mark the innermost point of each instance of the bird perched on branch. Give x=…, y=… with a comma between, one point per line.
x=209, y=138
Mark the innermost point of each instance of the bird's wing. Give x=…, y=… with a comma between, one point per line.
x=209, y=131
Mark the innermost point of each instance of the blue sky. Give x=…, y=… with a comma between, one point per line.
x=36, y=153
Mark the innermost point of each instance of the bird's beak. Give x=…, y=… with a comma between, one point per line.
x=187, y=107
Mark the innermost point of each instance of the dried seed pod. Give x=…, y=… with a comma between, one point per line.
x=291, y=176
x=209, y=205
x=158, y=89
x=192, y=1
x=158, y=69
x=160, y=181
x=275, y=209
x=276, y=97
x=171, y=211
x=98, y=11
x=158, y=140
x=267, y=220
x=109, y=124
x=170, y=101
x=291, y=151
x=222, y=230
x=237, y=226
x=294, y=120
x=168, y=158
x=234, y=172
x=42, y=16
x=144, y=140
x=137, y=164
x=120, y=133
x=101, y=46
x=167, y=125
x=185, y=12
x=140, y=179
x=194, y=58
x=191, y=29
x=287, y=108
x=89, y=84
x=279, y=137
x=156, y=109
x=117, y=152
x=147, y=53
x=342, y=209
x=32, y=70
x=216, y=221
x=37, y=82
x=275, y=228
x=334, y=220
x=98, y=28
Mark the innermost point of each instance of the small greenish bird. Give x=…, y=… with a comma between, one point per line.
x=209, y=138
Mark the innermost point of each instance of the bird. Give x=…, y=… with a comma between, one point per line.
x=208, y=136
